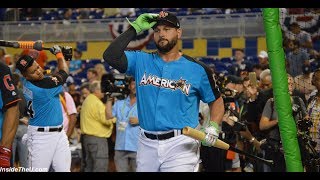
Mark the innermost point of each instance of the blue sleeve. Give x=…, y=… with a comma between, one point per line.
x=54, y=91
x=132, y=59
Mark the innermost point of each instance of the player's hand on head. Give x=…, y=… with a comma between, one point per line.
x=212, y=134
x=5, y=155
x=55, y=49
x=144, y=22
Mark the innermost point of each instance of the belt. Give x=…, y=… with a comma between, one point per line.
x=57, y=129
x=163, y=136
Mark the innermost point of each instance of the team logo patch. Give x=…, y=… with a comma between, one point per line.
x=13, y=93
x=23, y=62
x=153, y=80
x=55, y=80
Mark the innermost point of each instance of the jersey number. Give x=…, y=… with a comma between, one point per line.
x=30, y=110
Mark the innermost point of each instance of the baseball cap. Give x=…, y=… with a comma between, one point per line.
x=263, y=54
x=24, y=62
x=169, y=19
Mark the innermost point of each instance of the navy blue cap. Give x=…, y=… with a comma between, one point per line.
x=169, y=19
x=24, y=63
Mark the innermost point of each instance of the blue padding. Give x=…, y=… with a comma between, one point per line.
x=251, y=42
x=212, y=43
x=187, y=44
x=212, y=51
x=225, y=43
x=251, y=51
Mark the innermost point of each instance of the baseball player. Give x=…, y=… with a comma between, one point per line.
x=169, y=88
x=9, y=114
x=47, y=142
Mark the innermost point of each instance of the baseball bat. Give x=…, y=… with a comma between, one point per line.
x=199, y=135
x=24, y=45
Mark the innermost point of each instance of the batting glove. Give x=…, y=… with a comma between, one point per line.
x=5, y=155
x=212, y=134
x=67, y=52
x=55, y=49
x=144, y=22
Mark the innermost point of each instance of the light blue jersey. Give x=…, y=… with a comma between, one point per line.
x=168, y=90
x=127, y=135
x=43, y=103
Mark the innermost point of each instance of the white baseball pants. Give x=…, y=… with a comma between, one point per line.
x=176, y=154
x=48, y=148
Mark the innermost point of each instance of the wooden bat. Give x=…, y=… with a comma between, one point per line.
x=37, y=45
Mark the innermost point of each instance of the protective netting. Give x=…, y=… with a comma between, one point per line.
x=301, y=43
x=301, y=32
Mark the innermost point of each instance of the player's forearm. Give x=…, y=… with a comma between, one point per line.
x=62, y=64
x=10, y=125
x=217, y=110
x=114, y=55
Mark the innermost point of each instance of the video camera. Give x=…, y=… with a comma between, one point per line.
x=304, y=125
x=115, y=85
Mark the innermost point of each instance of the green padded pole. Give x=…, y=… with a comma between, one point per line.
x=288, y=130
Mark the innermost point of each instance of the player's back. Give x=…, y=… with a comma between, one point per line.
x=43, y=105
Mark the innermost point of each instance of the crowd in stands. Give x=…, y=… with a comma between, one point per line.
x=35, y=14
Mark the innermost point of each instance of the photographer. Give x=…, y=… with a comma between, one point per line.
x=127, y=130
x=269, y=124
x=218, y=160
x=313, y=112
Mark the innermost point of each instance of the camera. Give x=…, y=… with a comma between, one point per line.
x=239, y=126
x=115, y=85
x=304, y=125
x=271, y=145
x=228, y=95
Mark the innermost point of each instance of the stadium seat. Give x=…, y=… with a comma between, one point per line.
x=226, y=60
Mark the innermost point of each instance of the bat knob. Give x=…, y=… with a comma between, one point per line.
x=37, y=46
x=15, y=44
